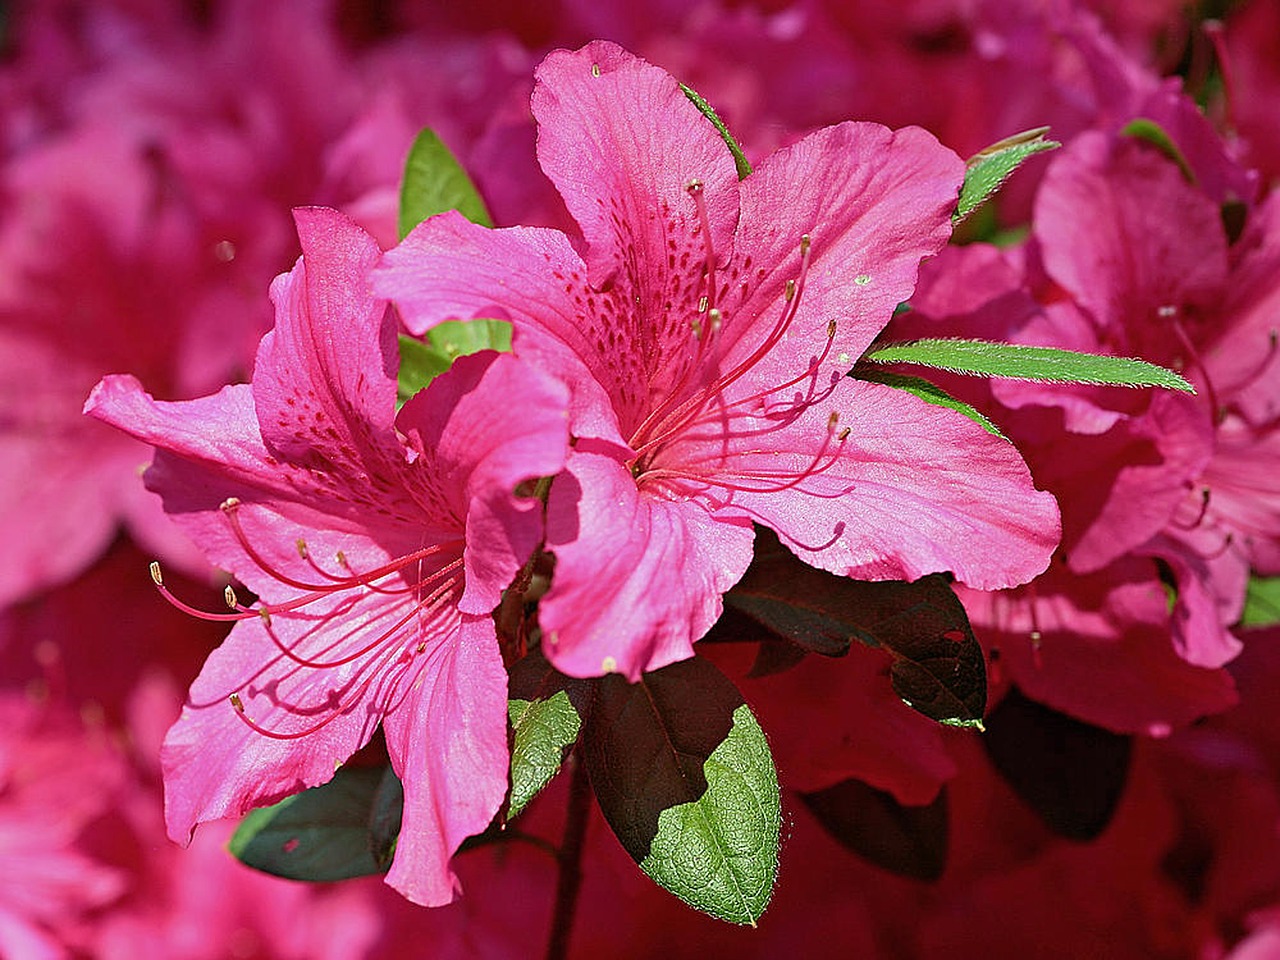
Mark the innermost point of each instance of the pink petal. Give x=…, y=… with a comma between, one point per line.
x=1097, y=647
x=298, y=687
x=1210, y=581
x=324, y=381
x=475, y=453
x=448, y=268
x=210, y=450
x=1243, y=358
x=1128, y=237
x=874, y=202
x=622, y=143
x=448, y=742
x=637, y=578
x=911, y=489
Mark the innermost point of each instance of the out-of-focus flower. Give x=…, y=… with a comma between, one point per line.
x=56, y=776
x=706, y=339
x=378, y=545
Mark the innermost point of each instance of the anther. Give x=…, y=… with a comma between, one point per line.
x=156, y=578
x=843, y=435
x=696, y=324
x=229, y=597
x=715, y=316
x=831, y=329
x=790, y=291
x=237, y=702
x=302, y=548
x=804, y=244
x=702, y=304
x=832, y=421
x=229, y=504
x=694, y=187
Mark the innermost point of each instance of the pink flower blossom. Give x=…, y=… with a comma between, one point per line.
x=56, y=777
x=706, y=338
x=378, y=546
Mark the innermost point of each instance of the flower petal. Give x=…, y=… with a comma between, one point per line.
x=448, y=742
x=874, y=202
x=911, y=489
x=481, y=428
x=637, y=579
x=622, y=142
x=448, y=268
x=324, y=380
x=289, y=677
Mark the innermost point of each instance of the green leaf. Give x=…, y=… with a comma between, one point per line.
x=420, y=363
x=908, y=841
x=988, y=169
x=1071, y=773
x=344, y=828
x=684, y=776
x=740, y=161
x=938, y=669
x=544, y=732
x=1148, y=130
x=423, y=361
x=927, y=392
x=1013, y=361
x=1261, y=602
x=546, y=709
x=434, y=182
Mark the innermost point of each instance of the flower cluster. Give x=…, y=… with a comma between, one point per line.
x=665, y=507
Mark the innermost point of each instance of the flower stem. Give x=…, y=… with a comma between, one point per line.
x=569, y=879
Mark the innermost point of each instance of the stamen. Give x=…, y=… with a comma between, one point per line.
x=695, y=189
x=1216, y=412
x=669, y=422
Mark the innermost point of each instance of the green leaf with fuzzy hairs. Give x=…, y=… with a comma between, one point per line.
x=740, y=161
x=988, y=169
x=983, y=358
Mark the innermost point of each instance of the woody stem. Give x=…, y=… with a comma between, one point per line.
x=569, y=879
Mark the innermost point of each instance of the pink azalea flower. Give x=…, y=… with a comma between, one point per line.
x=1096, y=647
x=56, y=777
x=706, y=338
x=378, y=546
x=1130, y=257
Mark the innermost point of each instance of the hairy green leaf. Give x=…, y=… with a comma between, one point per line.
x=341, y=829
x=988, y=169
x=544, y=730
x=434, y=182
x=927, y=392
x=1012, y=361
x=1148, y=130
x=684, y=776
x=740, y=161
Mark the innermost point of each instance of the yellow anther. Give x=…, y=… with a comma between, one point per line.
x=155, y=573
x=236, y=702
